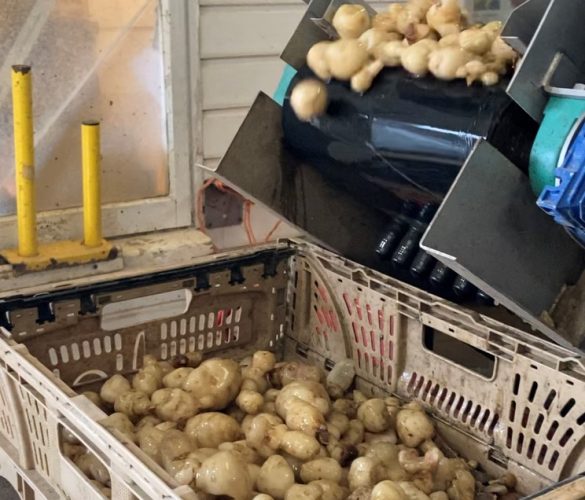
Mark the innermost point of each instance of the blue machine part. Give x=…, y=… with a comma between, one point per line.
x=285, y=81
x=560, y=116
x=565, y=201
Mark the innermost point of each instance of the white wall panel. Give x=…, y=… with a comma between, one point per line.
x=219, y=128
x=248, y=30
x=231, y=83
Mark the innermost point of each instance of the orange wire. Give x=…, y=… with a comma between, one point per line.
x=272, y=231
x=247, y=212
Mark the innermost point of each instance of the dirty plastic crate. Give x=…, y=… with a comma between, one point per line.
x=499, y=395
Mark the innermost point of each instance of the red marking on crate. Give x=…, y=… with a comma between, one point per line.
x=355, y=331
x=382, y=350
x=369, y=313
x=323, y=293
x=319, y=315
x=391, y=326
x=372, y=341
x=381, y=320
x=220, y=317
x=358, y=308
x=347, y=303
x=364, y=338
x=334, y=322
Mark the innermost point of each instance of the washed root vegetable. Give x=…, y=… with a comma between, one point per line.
x=121, y=423
x=275, y=477
x=363, y=79
x=209, y=430
x=175, y=405
x=134, y=404
x=351, y=20
x=147, y=421
x=283, y=425
x=263, y=433
x=373, y=38
x=365, y=472
x=94, y=397
x=215, y=383
x=308, y=100
x=490, y=78
x=444, y=62
x=388, y=21
x=93, y=468
x=248, y=454
x=176, y=378
x=189, y=360
x=417, y=32
x=303, y=406
x=150, y=439
x=250, y=402
x=388, y=490
x=415, y=58
x=300, y=445
x=345, y=58
x=146, y=382
x=477, y=41
x=414, y=426
x=286, y=373
x=503, y=52
x=317, y=60
x=445, y=17
x=114, y=387
x=321, y=468
x=225, y=473
x=374, y=415
x=304, y=492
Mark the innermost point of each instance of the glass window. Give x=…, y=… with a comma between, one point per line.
x=91, y=59
x=491, y=10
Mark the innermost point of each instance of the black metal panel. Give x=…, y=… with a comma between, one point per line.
x=258, y=163
x=490, y=230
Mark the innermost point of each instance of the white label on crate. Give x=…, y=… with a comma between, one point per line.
x=142, y=310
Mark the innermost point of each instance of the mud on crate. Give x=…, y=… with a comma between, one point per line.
x=505, y=398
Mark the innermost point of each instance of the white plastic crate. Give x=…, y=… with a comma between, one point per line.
x=499, y=395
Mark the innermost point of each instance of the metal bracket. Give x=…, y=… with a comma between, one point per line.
x=490, y=231
x=554, y=60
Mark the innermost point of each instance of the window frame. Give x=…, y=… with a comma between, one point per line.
x=175, y=210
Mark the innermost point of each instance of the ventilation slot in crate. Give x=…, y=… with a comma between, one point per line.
x=200, y=332
x=373, y=335
x=35, y=415
x=452, y=404
x=326, y=325
x=544, y=424
x=6, y=424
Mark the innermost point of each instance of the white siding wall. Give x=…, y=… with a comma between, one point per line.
x=240, y=45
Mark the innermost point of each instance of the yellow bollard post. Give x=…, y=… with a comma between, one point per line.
x=90, y=152
x=24, y=161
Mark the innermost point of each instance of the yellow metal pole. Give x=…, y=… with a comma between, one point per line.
x=90, y=151
x=24, y=161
